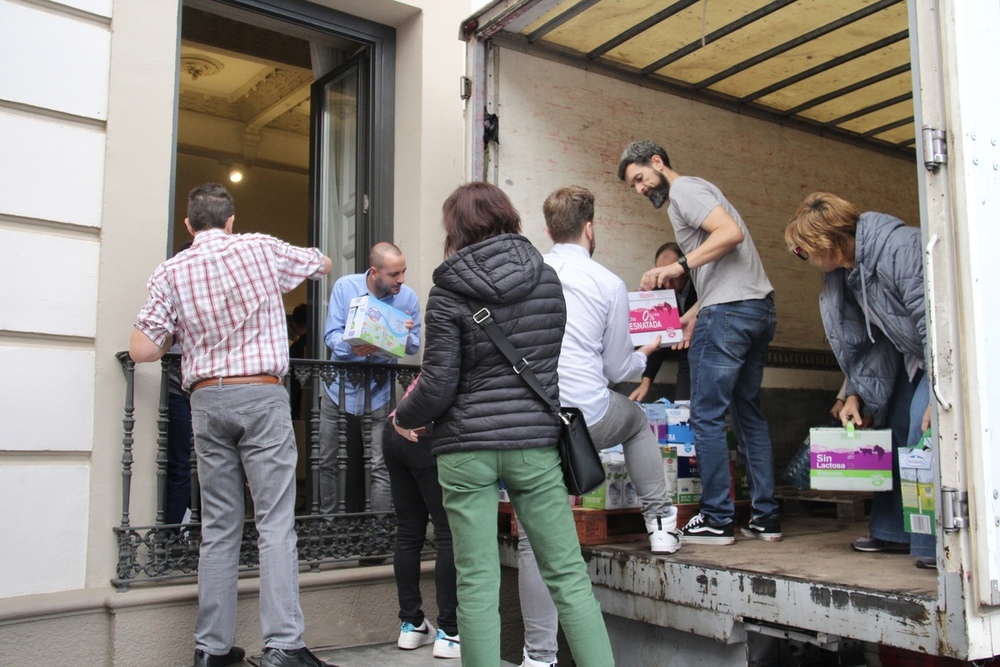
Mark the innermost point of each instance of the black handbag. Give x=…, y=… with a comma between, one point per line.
x=581, y=464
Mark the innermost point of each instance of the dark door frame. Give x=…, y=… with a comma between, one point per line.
x=380, y=113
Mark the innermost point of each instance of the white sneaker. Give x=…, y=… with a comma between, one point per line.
x=446, y=646
x=664, y=538
x=411, y=637
x=528, y=662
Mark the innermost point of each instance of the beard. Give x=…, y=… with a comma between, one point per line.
x=659, y=194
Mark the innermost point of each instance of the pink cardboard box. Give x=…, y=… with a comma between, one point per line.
x=654, y=313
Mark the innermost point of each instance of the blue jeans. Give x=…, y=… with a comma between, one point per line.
x=906, y=411
x=727, y=356
x=178, y=458
x=246, y=430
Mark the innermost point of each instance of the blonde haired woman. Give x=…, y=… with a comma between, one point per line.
x=872, y=307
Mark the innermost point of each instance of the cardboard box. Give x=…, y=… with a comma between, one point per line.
x=654, y=313
x=376, y=323
x=688, y=481
x=916, y=483
x=611, y=494
x=678, y=430
x=671, y=424
x=656, y=417
x=682, y=477
x=842, y=460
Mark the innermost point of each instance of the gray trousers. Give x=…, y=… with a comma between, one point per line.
x=246, y=430
x=625, y=423
x=329, y=470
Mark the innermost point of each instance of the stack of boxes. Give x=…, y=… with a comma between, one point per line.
x=670, y=422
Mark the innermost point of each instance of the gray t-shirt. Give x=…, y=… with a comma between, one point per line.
x=738, y=275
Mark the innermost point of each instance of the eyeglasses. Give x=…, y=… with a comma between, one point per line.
x=800, y=253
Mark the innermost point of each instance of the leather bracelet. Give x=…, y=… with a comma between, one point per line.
x=683, y=261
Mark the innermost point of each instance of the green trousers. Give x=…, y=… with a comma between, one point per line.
x=533, y=477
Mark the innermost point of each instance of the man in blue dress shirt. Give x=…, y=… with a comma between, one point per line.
x=384, y=280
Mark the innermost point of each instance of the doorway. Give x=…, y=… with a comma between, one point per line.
x=292, y=112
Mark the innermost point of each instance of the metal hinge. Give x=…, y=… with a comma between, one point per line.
x=364, y=203
x=935, y=149
x=954, y=510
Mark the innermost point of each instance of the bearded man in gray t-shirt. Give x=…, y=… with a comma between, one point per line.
x=728, y=331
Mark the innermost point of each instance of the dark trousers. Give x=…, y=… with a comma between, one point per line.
x=178, y=458
x=416, y=495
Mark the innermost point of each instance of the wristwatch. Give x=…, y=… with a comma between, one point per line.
x=683, y=261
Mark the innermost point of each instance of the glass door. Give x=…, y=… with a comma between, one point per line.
x=340, y=182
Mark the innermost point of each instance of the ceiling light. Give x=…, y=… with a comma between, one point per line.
x=236, y=173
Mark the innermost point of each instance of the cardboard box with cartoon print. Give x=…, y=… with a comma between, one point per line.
x=376, y=323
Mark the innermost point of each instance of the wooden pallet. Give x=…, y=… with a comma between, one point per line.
x=844, y=505
x=592, y=526
x=612, y=526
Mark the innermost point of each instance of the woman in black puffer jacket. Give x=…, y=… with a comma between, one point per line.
x=488, y=424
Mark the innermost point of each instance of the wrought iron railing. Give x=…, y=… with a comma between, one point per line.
x=160, y=552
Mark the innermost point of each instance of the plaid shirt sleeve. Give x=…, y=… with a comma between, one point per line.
x=157, y=318
x=296, y=264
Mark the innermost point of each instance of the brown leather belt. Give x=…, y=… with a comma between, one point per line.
x=236, y=379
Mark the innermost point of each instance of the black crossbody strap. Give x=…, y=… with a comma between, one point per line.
x=484, y=318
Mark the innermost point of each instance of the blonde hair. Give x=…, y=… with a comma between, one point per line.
x=824, y=223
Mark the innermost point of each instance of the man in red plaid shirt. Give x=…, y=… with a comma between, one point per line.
x=221, y=301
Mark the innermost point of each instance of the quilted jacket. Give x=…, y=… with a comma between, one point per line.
x=467, y=388
x=887, y=281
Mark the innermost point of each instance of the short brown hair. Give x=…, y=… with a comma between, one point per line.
x=476, y=212
x=566, y=211
x=824, y=223
x=209, y=206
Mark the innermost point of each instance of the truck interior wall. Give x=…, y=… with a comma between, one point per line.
x=561, y=124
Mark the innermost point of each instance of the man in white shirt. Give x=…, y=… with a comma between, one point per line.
x=596, y=350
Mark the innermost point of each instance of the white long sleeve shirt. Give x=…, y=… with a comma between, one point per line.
x=596, y=348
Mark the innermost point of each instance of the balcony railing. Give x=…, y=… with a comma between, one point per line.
x=159, y=552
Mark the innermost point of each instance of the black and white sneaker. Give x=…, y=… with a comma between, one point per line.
x=767, y=528
x=699, y=531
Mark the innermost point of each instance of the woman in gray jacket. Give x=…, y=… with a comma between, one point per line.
x=489, y=424
x=873, y=313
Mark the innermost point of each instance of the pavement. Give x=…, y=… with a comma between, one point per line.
x=381, y=655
